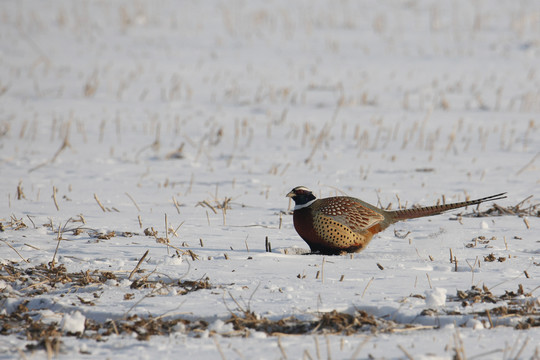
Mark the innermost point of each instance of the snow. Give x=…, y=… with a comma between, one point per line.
x=116, y=117
x=436, y=297
x=73, y=322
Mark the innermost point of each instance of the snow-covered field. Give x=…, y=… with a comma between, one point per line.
x=128, y=126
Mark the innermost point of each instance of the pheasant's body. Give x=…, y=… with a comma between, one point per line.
x=344, y=224
x=337, y=224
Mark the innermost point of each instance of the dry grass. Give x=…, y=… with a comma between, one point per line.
x=31, y=282
x=522, y=307
x=370, y=136
x=518, y=210
x=35, y=281
x=326, y=323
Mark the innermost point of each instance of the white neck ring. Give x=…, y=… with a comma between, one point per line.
x=298, y=207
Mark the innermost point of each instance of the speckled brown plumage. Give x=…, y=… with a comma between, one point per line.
x=344, y=224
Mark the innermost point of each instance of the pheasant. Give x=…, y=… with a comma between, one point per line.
x=343, y=224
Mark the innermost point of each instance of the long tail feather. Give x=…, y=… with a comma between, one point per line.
x=438, y=209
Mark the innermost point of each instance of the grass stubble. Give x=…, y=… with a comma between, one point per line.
x=517, y=309
x=378, y=138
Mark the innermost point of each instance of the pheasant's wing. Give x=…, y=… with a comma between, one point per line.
x=350, y=213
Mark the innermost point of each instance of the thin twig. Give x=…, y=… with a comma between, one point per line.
x=114, y=327
x=522, y=201
x=167, y=233
x=176, y=204
x=32, y=221
x=138, y=265
x=57, y=246
x=489, y=319
x=54, y=198
x=359, y=347
x=134, y=203
x=518, y=355
x=528, y=164
x=64, y=146
x=482, y=355
x=8, y=244
x=219, y=348
x=429, y=281
x=150, y=294
x=32, y=246
x=99, y=203
x=281, y=348
x=60, y=232
x=369, y=283
x=405, y=352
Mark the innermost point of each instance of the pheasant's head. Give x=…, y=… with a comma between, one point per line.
x=301, y=195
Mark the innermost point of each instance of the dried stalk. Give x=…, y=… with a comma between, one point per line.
x=138, y=265
x=55, y=190
x=133, y=200
x=99, y=203
x=12, y=248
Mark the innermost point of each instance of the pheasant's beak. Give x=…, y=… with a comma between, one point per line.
x=291, y=194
